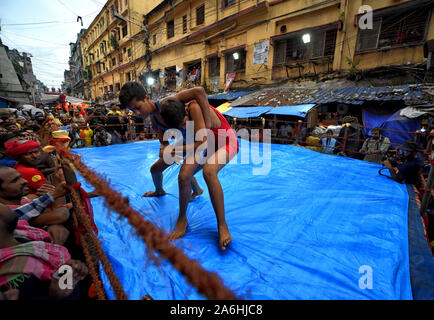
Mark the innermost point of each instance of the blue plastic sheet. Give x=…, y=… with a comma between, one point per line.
x=299, y=110
x=312, y=228
x=394, y=122
x=247, y=112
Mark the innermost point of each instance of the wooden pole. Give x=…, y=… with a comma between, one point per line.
x=427, y=194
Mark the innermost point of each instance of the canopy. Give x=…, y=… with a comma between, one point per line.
x=392, y=123
x=228, y=96
x=247, y=112
x=299, y=110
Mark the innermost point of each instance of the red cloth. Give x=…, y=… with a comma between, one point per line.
x=34, y=177
x=15, y=148
x=87, y=205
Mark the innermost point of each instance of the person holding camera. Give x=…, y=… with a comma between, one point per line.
x=408, y=166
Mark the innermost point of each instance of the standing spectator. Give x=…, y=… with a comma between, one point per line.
x=329, y=143
x=87, y=134
x=375, y=147
x=355, y=136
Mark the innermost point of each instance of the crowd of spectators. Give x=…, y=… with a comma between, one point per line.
x=37, y=234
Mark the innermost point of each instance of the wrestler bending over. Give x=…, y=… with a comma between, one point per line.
x=134, y=97
x=218, y=154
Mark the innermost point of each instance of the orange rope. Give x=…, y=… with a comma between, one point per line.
x=84, y=219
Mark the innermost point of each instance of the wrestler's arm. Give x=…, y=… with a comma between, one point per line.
x=199, y=124
x=198, y=94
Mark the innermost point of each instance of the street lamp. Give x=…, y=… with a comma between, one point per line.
x=236, y=55
x=306, y=38
x=150, y=81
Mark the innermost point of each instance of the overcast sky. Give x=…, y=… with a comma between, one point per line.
x=44, y=28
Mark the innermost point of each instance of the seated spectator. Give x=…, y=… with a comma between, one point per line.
x=141, y=137
x=29, y=261
x=102, y=137
x=409, y=170
x=5, y=160
x=285, y=130
x=375, y=147
x=329, y=143
x=13, y=192
x=28, y=156
x=76, y=140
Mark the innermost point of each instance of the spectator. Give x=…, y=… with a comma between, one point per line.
x=354, y=137
x=114, y=128
x=329, y=143
x=13, y=191
x=375, y=147
x=28, y=156
x=141, y=137
x=76, y=140
x=86, y=133
x=409, y=168
x=29, y=261
x=102, y=137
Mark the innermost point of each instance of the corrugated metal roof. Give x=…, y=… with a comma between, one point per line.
x=229, y=96
x=357, y=95
x=410, y=94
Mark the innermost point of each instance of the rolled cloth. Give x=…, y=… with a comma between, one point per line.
x=16, y=148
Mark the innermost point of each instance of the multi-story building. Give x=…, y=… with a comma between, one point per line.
x=109, y=48
x=268, y=41
x=208, y=42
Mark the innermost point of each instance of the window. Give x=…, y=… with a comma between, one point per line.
x=154, y=39
x=170, y=29
x=394, y=30
x=236, y=65
x=120, y=57
x=124, y=50
x=98, y=67
x=128, y=77
x=323, y=44
x=227, y=3
x=114, y=61
x=124, y=29
x=117, y=87
x=214, y=67
x=200, y=15
x=184, y=24
x=111, y=88
x=129, y=52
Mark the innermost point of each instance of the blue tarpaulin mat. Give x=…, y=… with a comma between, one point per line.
x=315, y=227
x=299, y=110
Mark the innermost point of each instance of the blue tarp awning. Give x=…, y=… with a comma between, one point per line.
x=229, y=96
x=299, y=111
x=247, y=112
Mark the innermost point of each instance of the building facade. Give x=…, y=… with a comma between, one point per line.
x=109, y=47
x=251, y=42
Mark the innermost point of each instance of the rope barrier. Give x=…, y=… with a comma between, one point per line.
x=207, y=283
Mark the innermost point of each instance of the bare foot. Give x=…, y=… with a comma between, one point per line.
x=225, y=237
x=194, y=195
x=154, y=194
x=179, y=232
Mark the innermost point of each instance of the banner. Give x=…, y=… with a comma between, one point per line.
x=260, y=53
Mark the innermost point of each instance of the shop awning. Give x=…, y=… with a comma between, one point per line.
x=224, y=107
x=247, y=112
x=299, y=111
x=228, y=96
